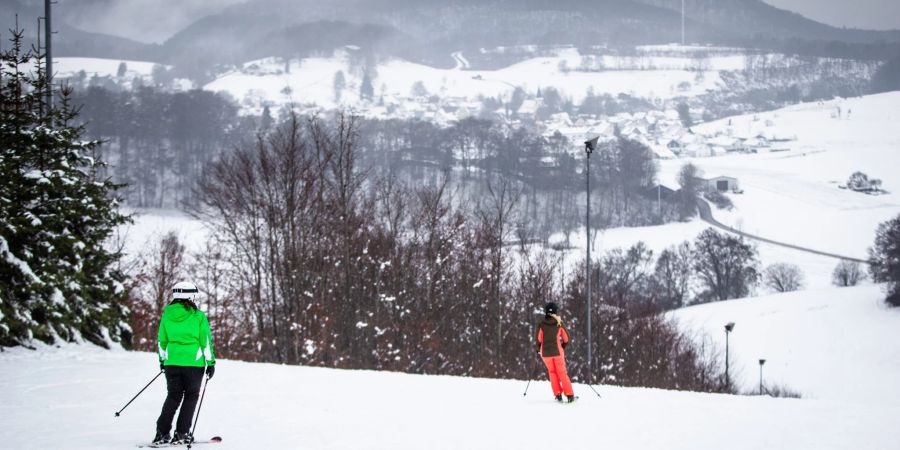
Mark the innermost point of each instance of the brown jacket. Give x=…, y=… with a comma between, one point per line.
x=552, y=338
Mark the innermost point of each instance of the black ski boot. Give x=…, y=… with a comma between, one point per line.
x=559, y=398
x=571, y=398
x=182, y=438
x=161, y=438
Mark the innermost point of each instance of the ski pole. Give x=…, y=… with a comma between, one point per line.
x=530, y=376
x=595, y=391
x=139, y=393
x=198, y=412
x=591, y=385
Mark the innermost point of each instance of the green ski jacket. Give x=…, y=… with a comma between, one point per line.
x=184, y=338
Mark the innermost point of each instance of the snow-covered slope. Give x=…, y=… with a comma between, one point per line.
x=70, y=66
x=793, y=196
x=837, y=344
x=311, y=80
x=65, y=398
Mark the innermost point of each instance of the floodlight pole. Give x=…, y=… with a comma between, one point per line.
x=48, y=34
x=728, y=327
x=588, y=148
x=761, y=362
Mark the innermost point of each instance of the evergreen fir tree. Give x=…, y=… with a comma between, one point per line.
x=57, y=279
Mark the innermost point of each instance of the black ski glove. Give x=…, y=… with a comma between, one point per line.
x=162, y=366
x=210, y=370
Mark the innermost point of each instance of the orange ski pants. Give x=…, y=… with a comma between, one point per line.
x=559, y=378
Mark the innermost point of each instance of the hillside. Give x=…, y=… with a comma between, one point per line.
x=756, y=18
x=835, y=344
x=793, y=195
x=78, y=389
x=311, y=80
x=68, y=40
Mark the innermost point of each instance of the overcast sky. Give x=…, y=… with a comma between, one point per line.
x=870, y=14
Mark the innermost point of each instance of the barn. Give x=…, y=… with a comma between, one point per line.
x=721, y=184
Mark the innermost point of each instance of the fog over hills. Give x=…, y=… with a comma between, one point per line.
x=198, y=36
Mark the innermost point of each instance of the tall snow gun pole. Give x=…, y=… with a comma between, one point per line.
x=589, y=147
x=729, y=327
x=48, y=38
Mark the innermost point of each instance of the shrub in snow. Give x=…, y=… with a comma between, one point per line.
x=781, y=391
x=847, y=273
x=884, y=259
x=861, y=182
x=782, y=277
x=719, y=199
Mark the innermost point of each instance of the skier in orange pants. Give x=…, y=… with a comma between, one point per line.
x=552, y=339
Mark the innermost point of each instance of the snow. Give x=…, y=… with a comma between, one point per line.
x=252, y=405
x=793, y=196
x=311, y=80
x=836, y=344
x=816, y=269
x=70, y=66
x=150, y=225
x=12, y=260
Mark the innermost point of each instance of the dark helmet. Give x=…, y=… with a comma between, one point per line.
x=551, y=308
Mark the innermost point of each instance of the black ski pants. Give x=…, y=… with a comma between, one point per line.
x=182, y=383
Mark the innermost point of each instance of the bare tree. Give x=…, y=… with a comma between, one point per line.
x=726, y=265
x=782, y=277
x=624, y=277
x=672, y=276
x=847, y=273
x=160, y=267
x=165, y=260
x=496, y=216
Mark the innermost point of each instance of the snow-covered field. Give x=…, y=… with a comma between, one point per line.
x=793, y=196
x=70, y=66
x=311, y=80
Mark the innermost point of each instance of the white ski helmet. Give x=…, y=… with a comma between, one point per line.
x=185, y=290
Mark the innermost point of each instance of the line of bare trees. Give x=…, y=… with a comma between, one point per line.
x=313, y=260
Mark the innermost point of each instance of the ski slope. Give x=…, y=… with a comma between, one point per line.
x=65, y=398
x=836, y=344
x=793, y=196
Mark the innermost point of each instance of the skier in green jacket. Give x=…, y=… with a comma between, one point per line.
x=185, y=349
